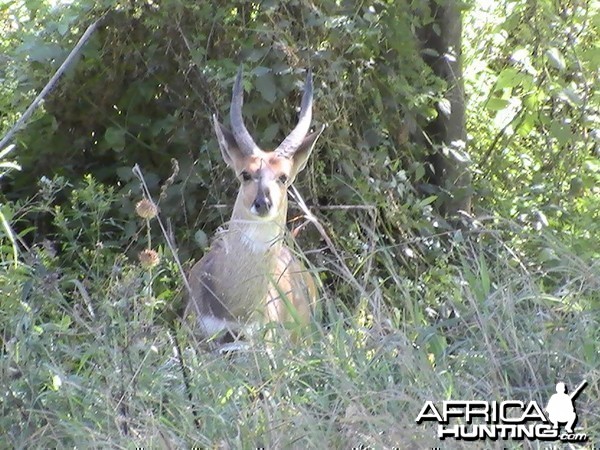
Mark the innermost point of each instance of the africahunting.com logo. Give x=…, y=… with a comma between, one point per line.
x=472, y=420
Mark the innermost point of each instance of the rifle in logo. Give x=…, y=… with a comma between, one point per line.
x=577, y=390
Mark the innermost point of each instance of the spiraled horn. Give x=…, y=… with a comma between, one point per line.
x=293, y=140
x=245, y=142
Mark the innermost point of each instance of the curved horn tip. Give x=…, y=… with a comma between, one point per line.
x=309, y=77
x=240, y=133
x=237, y=86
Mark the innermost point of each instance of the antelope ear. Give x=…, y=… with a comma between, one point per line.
x=229, y=148
x=301, y=155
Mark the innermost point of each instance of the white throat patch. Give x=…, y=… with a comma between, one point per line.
x=258, y=237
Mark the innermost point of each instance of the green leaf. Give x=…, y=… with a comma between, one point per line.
x=430, y=52
x=124, y=173
x=591, y=56
x=427, y=201
x=561, y=132
x=436, y=345
x=430, y=113
x=42, y=52
x=497, y=104
x=419, y=172
x=527, y=124
x=62, y=27
x=270, y=132
x=590, y=352
x=115, y=138
x=265, y=84
x=548, y=254
x=372, y=137
x=261, y=71
x=511, y=77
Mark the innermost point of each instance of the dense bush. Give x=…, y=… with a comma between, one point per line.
x=532, y=72
x=147, y=83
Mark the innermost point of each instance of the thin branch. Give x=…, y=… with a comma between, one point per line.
x=346, y=272
x=50, y=85
x=138, y=173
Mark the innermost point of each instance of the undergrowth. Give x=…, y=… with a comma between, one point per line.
x=90, y=342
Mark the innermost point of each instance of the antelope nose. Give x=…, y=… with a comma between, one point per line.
x=262, y=205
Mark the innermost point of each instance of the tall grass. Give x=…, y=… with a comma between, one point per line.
x=90, y=343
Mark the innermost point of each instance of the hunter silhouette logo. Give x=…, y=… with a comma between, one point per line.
x=561, y=406
x=472, y=420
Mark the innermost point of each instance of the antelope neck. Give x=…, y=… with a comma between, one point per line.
x=256, y=235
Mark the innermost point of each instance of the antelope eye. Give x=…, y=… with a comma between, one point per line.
x=246, y=176
x=283, y=179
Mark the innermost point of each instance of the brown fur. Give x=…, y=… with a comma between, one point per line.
x=235, y=284
x=249, y=276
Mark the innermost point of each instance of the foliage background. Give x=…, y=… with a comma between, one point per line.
x=413, y=308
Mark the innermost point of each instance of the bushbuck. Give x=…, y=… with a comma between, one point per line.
x=250, y=276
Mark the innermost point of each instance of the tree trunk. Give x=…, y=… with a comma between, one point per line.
x=446, y=135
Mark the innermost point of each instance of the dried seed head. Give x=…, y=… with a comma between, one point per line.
x=146, y=209
x=148, y=258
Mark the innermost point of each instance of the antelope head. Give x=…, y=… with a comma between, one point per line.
x=265, y=176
